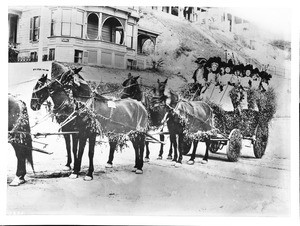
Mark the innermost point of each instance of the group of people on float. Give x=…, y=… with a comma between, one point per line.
x=218, y=81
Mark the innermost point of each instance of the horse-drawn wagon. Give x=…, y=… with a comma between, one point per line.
x=232, y=127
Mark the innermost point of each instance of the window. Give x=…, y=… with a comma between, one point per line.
x=78, y=32
x=92, y=26
x=78, y=56
x=129, y=40
x=34, y=28
x=51, y=54
x=66, y=22
x=54, y=23
x=33, y=57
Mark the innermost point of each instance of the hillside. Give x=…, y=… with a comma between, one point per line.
x=181, y=41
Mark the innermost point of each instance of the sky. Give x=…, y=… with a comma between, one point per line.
x=275, y=20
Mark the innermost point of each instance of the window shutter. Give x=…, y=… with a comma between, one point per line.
x=31, y=29
x=38, y=27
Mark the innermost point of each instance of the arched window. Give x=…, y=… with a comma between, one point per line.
x=112, y=31
x=92, y=26
x=145, y=44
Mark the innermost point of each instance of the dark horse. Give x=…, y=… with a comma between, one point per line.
x=112, y=118
x=185, y=119
x=64, y=106
x=19, y=137
x=40, y=95
x=155, y=104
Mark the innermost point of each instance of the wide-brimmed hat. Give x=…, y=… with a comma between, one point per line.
x=238, y=67
x=212, y=60
x=255, y=71
x=265, y=75
x=200, y=60
x=248, y=67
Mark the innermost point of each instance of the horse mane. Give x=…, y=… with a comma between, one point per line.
x=58, y=69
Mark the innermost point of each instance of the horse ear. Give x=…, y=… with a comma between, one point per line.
x=158, y=80
x=165, y=81
x=136, y=78
x=76, y=70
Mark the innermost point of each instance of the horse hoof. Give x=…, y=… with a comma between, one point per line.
x=191, y=162
x=88, y=178
x=134, y=169
x=66, y=168
x=147, y=160
x=177, y=164
x=169, y=157
x=204, y=161
x=138, y=171
x=17, y=181
x=159, y=157
x=73, y=176
x=108, y=165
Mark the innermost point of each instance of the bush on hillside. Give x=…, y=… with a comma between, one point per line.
x=183, y=49
x=281, y=44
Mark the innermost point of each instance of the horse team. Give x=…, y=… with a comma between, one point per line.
x=78, y=108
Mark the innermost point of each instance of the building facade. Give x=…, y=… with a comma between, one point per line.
x=93, y=35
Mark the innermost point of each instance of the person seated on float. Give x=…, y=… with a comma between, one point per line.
x=255, y=79
x=213, y=67
x=227, y=74
x=235, y=93
x=246, y=85
x=264, y=84
x=199, y=75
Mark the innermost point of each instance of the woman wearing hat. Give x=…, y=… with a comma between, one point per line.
x=235, y=93
x=227, y=82
x=212, y=77
x=246, y=84
x=264, y=84
x=198, y=76
x=252, y=92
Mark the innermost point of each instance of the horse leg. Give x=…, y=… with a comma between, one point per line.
x=174, y=142
x=21, y=166
x=147, y=159
x=75, y=139
x=192, y=159
x=78, y=160
x=112, y=148
x=180, y=146
x=205, y=158
x=170, y=151
x=68, y=147
x=161, y=151
x=140, y=151
x=92, y=141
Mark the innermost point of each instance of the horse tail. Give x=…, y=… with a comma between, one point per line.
x=267, y=105
x=26, y=139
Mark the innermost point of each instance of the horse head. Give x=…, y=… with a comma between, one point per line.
x=40, y=93
x=131, y=88
x=161, y=87
x=73, y=80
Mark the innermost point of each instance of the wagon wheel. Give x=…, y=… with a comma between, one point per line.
x=234, y=145
x=214, y=146
x=262, y=134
